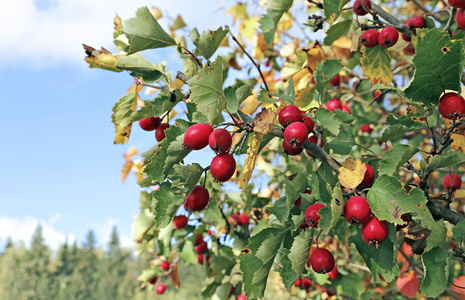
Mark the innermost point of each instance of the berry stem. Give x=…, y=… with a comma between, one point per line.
x=205, y=178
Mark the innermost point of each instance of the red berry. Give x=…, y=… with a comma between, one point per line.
x=451, y=106
x=291, y=151
x=234, y=217
x=365, y=128
x=197, y=199
x=374, y=231
x=149, y=124
x=334, y=273
x=196, y=136
x=242, y=219
x=322, y=261
x=311, y=214
x=368, y=178
x=447, y=181
x=220, y=140
x=369, y=38
x=222, y=167
x=160, y=132
x=200, y=258
x=298, y=282
x=306, y=284
x=346, y=109
x=416, y=22
x=457, y=3
x=335, y=81
x=357, y=210
x=289, y=114
x=308, y=122
x=241, y=297
x=153, y=280
x=333, y=104
x=201, y=248
x=299, y=200
x=359, y=8
x=165, y=265
x=388, y=37
x=314, y=140
x=199, y=239
x=296, y=134
x=161, y=288
x=231, y=291
x=180, y=222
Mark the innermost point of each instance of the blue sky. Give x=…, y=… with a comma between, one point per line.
x=58, y=164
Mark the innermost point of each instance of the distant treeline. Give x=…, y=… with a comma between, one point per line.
x=80, y=272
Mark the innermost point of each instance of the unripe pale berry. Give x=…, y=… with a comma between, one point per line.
x=365, y=128
x=220, y=140
x=289, y=114
x=322, y=261
x=311, y=214
x=196, y=136
x=197, y=199
x=180, y=222
x=368, y=178
x=161, y=288
x=160, y=131
x=451, y=106
x=296, y=134
x=357, y=210
x=369, y=38
x=291, y=151
x=333, y=104
x=388, y=37
x=374, y=231
x=358, y=7
x=447, y=181
x=222, y=167
x=149, y=124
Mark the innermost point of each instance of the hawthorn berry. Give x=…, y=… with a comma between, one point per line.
x=368, y=178
x=231, y=291
x=199, y=238
x=413, y=24
x=291, y=151
x=289, y=114
x=180, y=222
x=296, y=134
x=451, y=105
x=311, y=214
x=220, y=140
x=457, y=3
x=197, y=199
x=242, y=219
x=223, y=166
x=357, y=210
x=197, y=136
x=308, y=122
x=165, y=265
x=201, y=248
x=200, y=258
x=314, y=140
x=369, y=38
x=161, y=288
x=241, y=297
x=149, y=124
x=299, y=200
x=322, y=261
x=359, y=7
x=447, y=181
x=153, y=280
x=335, y=81
x=233, y=218
x=298, y=282
x=365, y=128
x=160, y=131
x=333, y=274
x=306, y=284
x=374, y=231
x=388, y=37
x=333, y=104
x=346, y=109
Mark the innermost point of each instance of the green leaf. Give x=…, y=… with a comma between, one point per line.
x=380, y=260
x=122, y=111
x=344, y=142
x=207, y=90
x=143, y=222
x=298, y=256
x=438, y=65
x=257, y=259
x=141, y=67
x=268, y=29
x=349, y=285
x=144, y=32
x=333, y=9
x=446, y=160
x=436, y=267
x=331, y=215
x=459, y=232
x=321, y=190
x=336, y=31
x=395, y=131
x=396, y=157
x=376, y=64
x=165, y=202
x=209, y=41
x=164, y=102
x=371, y=295
x=189, y=175
x=328, y=120
x=275, y=10
x=325, y=72
x=235, y=95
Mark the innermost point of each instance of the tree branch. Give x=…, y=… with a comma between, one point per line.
x=396, y=23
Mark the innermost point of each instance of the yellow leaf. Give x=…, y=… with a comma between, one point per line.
x=171, y=115
x=302, y=79
x=315, y=55
x=118, y=25
x=286, y=21
x=356, y=40
x=263, y=124
x=138, y=168
x=376, y=64
x=156, y=13
x=459, y=194
x=102, y=59
x=341, y=48
x=178, y=23
x=304, y=97
x=248, y=28
x=131, y=152
x=250, y=104
x=458, y=143
x=351, y=173
x=126, y=168
x=261, y=48
x=122, y=137
x=238, y=11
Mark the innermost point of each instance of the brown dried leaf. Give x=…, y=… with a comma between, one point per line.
x=351, y=173
x=174, y=277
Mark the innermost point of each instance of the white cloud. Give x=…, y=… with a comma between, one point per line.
x=23, y=228
x=103, y=232
x=40, y=33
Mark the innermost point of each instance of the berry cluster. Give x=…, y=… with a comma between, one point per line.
x=154, y=123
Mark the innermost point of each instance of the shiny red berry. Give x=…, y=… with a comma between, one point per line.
x=289, y=114
x=333, y=274
x=368, y=178
x=223, y=167
x=199, y=238
x=296, y=134
x=197, y=199
x=308, y=122
x=374, y=231
x=335, y=81
x=201, y=248
x=241, y=297
x=149, y=124
x=447, y=181
x=160, y=131
x=165, y=265
x=306, y=284
x=200, y=258
x=365, y=128
x=346, y=109
x=322, y=261
x=457, y=3
x=220, y=140
x=357, y=210
x=180, y=222
x=388, y=37
x=196, y=136
x=369, y=38
x=311, y=214
x=161, y=288
x=291, y=151
x=242, y=219
x=333, y=104
x=298, y=282
x=153, y=280
x=359, y=7
x=451, y=106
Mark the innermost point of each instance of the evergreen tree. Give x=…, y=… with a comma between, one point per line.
x=90, y=240
x=114, y=246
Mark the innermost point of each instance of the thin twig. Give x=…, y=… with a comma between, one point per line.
x=452, y=13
